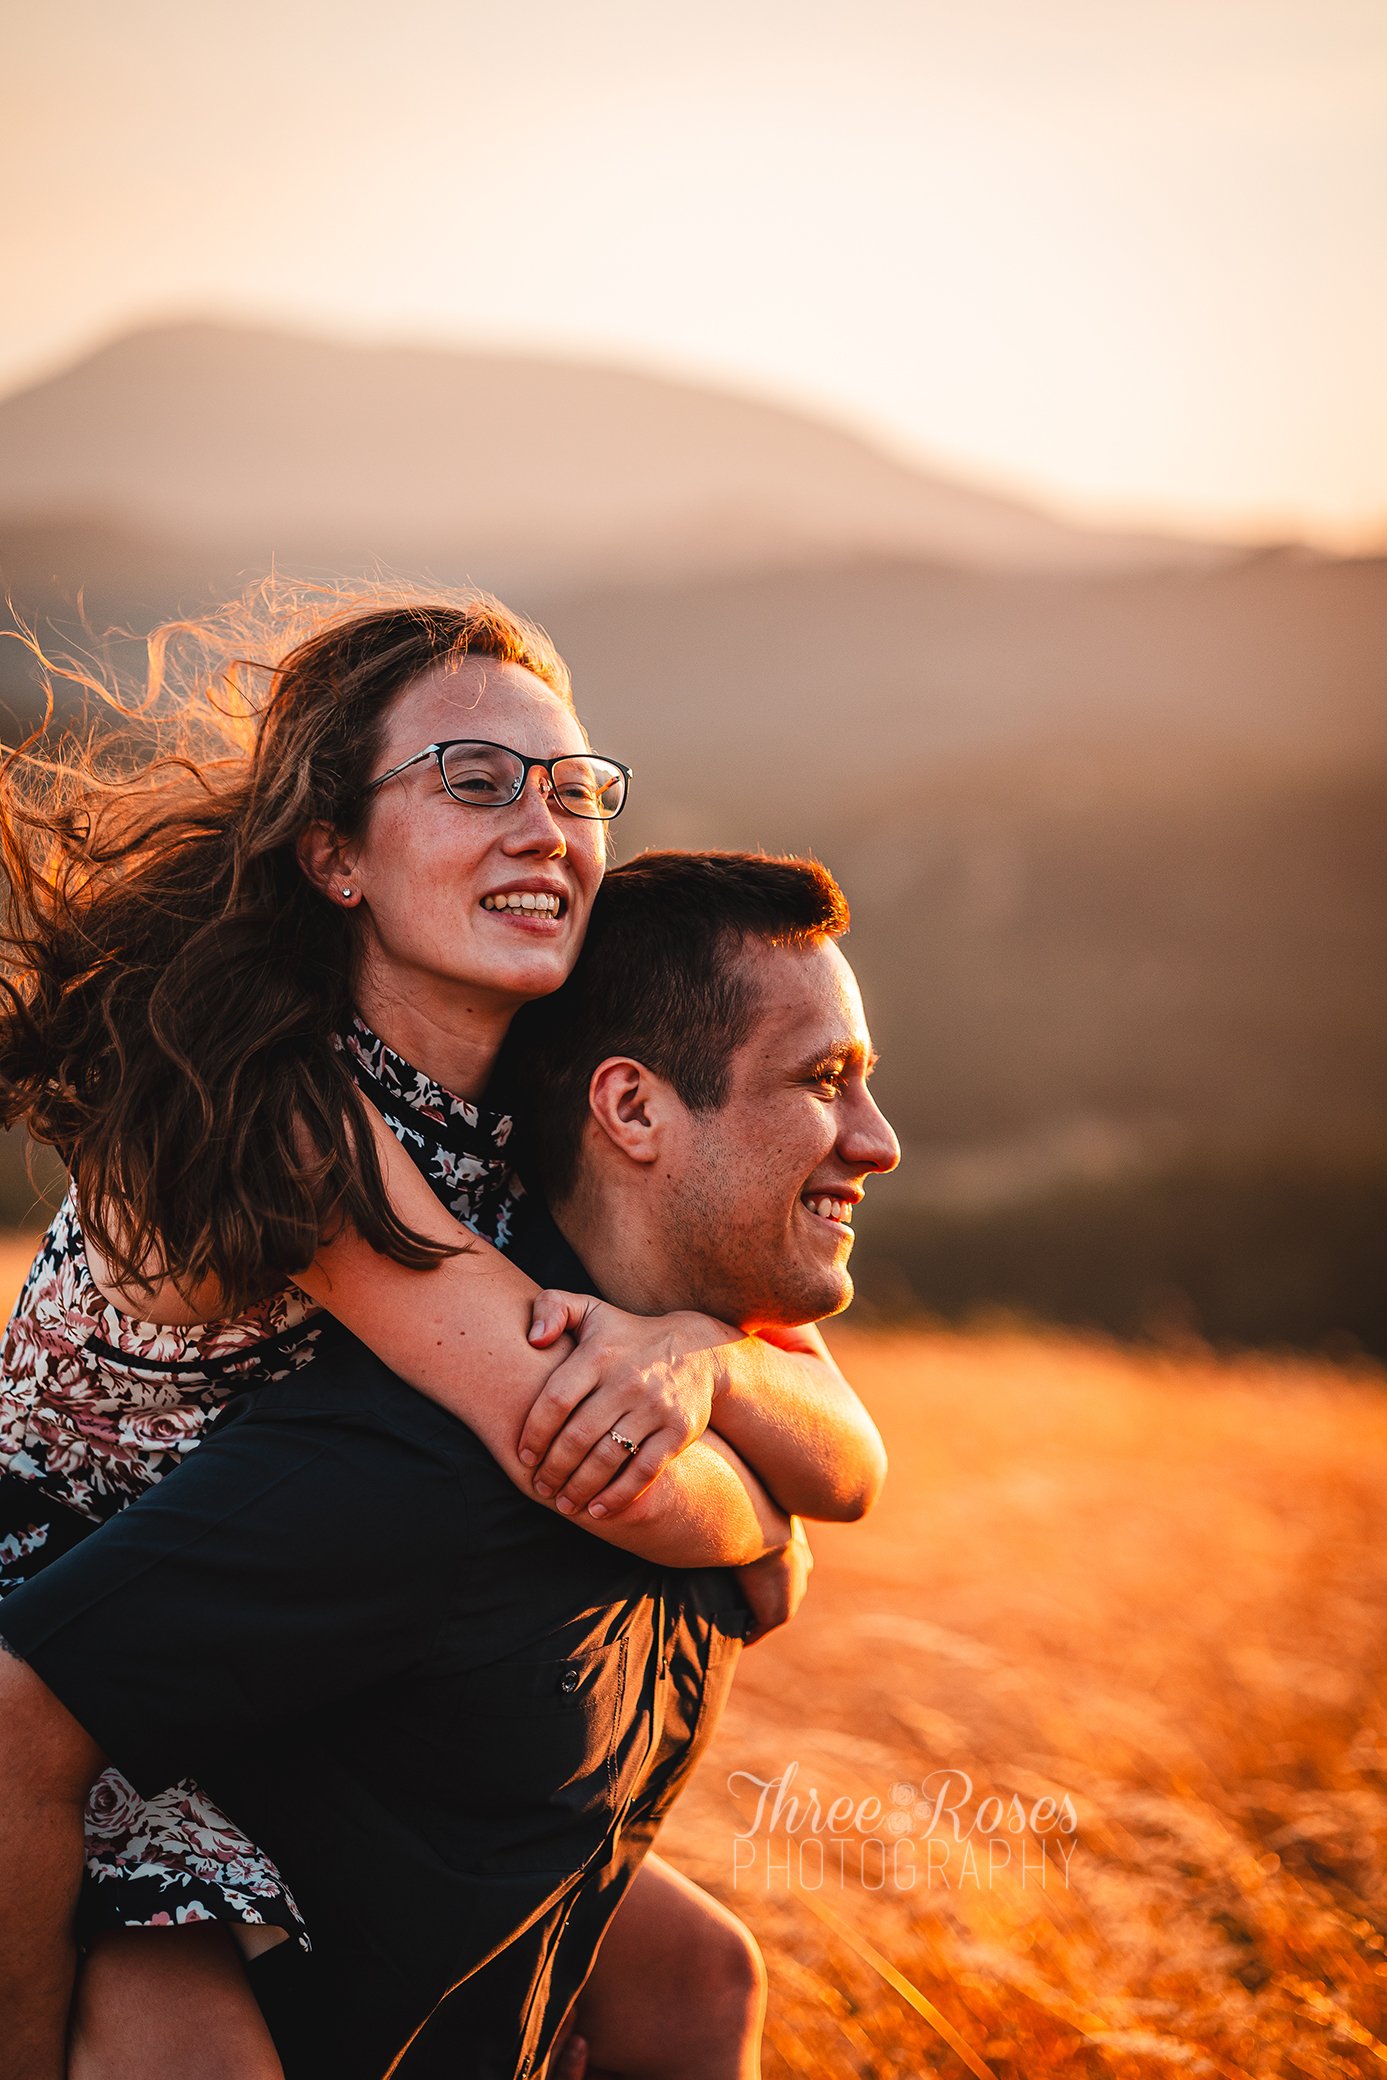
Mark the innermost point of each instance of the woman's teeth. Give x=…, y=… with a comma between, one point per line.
x=533, y=905
x=832, y=1209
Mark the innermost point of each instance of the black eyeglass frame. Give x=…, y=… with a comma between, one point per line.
x=527, y=766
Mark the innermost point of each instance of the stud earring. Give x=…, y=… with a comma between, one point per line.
x=347, y=894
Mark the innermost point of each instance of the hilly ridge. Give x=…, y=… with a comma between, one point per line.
x=501, y=469
x=1112, y=815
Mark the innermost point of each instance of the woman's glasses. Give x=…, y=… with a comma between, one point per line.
x=490, y=776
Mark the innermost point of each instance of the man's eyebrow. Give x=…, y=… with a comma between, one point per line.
x=838, y=1057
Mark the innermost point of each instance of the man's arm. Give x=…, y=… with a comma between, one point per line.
x=48, y=1764
x=775, y=1587
x=787, y=1408
x=706, y=1502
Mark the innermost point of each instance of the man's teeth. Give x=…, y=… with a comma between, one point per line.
x=831, y=1209
x=535, y=905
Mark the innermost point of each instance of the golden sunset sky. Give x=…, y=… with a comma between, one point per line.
x=1130, y=255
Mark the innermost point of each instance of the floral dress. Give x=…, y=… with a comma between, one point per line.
x=96, y=1406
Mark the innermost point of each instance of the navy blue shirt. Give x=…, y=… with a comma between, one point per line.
x=453, y=1719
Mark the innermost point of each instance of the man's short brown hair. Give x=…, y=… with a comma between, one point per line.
x=659, y=979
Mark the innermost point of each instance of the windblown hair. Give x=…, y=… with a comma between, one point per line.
x=660, y=978
x=170, y=980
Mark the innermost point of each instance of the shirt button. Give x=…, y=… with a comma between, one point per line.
x=568, y=1681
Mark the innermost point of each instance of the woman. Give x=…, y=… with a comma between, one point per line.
x=246, y=990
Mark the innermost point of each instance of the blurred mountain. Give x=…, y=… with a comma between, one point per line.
x=1112, y=812
x=795, y=693
x=1116, y=846
x=245, y=443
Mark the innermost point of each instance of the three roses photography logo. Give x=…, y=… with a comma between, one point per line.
x=933, y=1834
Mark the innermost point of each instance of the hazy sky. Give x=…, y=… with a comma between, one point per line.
x=1130, y=253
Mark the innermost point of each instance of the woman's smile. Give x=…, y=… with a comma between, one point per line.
x=529, y=903
x=464, y=911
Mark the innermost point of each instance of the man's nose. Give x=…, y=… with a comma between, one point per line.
x=535, y=824
x=868, y=1140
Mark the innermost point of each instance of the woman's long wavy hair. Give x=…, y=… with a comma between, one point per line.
x=170, y=981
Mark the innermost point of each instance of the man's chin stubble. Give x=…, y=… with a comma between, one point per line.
x=792, y=1309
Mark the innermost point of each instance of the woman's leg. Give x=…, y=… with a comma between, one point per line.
x=678, y=1990
x=168, y=2004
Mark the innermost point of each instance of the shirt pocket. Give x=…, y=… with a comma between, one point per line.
x=546, y=1751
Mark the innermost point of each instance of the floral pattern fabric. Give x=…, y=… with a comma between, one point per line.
x=96, y=1406
x=457, y=1145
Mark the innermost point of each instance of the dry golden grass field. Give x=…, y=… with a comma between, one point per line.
x=1154, y=1587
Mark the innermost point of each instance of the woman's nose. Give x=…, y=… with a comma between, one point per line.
x=535, y=823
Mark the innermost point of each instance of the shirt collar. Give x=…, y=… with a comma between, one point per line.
x=454, y=1118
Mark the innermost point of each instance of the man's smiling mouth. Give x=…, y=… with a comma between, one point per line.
x=827, y=1209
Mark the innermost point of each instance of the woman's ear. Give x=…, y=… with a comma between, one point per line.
x=628, y=1103
x=329, y=860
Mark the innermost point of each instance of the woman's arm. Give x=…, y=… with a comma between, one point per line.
x=777, y=1397
x=459, y=1333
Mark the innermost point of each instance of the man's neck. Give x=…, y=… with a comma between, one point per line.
x=627, y=1260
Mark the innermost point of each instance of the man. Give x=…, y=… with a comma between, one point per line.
x=458, y=1738
x=656, y=1086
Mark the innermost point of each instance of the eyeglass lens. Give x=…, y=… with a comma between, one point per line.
x=488, y=776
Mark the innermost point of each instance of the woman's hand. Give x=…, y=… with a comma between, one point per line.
x=650, y=1379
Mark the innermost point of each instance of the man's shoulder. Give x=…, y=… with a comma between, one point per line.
x=344, y=1387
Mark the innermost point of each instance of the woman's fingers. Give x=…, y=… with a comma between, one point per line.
x=589, y=1430
x=610, y=1478
x=625, y=1376
x=552, y=1313
x=594, y=1460
x=566, y=1389
x=634, y=1477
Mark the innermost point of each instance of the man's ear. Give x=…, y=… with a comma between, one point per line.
x=631, y=1106
x=327, y=858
